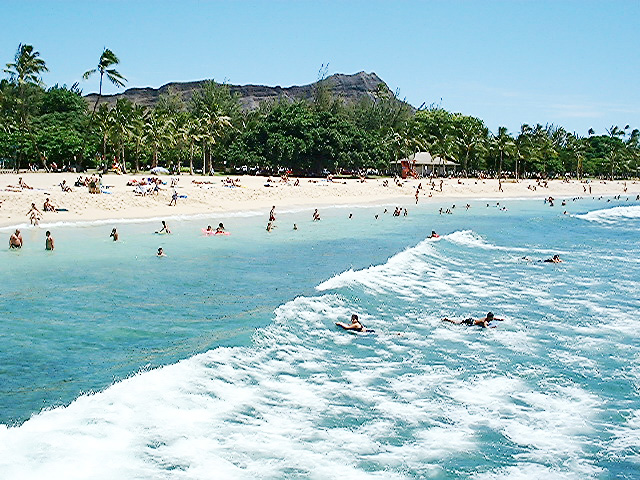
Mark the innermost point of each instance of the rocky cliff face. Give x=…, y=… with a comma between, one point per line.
x=348, y=87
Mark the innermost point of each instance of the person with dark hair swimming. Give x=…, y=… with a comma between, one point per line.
x=554, y=259
x=354, y=326
x=479, y=322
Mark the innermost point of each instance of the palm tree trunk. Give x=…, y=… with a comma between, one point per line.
x=97, y=99
x=124, y=163
x=191, y=161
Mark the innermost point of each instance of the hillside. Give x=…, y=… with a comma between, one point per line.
x=348, y=87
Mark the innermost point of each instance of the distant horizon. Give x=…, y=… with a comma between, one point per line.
x=567, y=63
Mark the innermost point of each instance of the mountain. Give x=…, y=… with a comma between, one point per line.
x=349, y=87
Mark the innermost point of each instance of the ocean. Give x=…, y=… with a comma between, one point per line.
x=222, y=360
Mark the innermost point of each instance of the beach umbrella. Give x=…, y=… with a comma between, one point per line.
x=159, y=170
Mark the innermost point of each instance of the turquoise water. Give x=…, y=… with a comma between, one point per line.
x=256, y=382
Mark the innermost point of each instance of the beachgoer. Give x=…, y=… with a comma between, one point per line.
x=355, y=325
x=270, y=226
x=48, y=206
x=220, y=228
x=23, y=185
x=174, y=198
x=554, y=259
x=480, y=322
x=351, y=215
x=15, y=240
x=160, y=252
x=295, y=226
x=49, y=243
x=34, y=214
x=433, y=234
x=114, y=235
x=316, y=215
x=272, y=214
x=165, y=228
x=209, y=229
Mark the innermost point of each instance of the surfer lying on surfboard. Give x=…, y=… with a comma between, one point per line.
x=480, y=322
x=355, y=325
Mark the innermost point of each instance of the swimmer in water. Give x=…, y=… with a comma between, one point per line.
x=165, y=228
x=554, y=259
x=295, y=226
x=209, y=229
x=15, y=240
x=220, y=228
x=49, y=244
x=160, y=252
x=480, y=322
x=114, y=235
x=316, y=215
x=355, y=325
x=433, y=234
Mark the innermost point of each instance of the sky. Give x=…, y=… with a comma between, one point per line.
x=569, y=63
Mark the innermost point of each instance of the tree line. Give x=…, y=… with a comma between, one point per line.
x=56, y=126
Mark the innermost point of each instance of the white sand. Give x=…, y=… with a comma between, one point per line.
x=123, y=203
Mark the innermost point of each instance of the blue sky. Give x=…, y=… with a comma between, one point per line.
x=571, y=63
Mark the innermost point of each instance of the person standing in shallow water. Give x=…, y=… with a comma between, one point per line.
x=15, y=240
x=49, y=242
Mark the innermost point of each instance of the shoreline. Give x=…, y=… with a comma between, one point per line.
x=213, y=196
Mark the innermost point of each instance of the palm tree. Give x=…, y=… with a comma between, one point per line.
x=25, y=73
x=107, y=59
x=503, y=142
x=122, y=126
x=105, y=128
x=577, y=148
x=614, y=133
x=156, y=127
x=137, y=132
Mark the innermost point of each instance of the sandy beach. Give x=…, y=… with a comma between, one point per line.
x=202, y=195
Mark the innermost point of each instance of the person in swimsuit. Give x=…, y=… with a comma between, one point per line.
x=316, y=215
x=554, y=259
x=165, y=228
x=15, y=240
x=272, y=214
x=433, y=234
x=479, y=322
x=48, y=206
x=160, y=252
x=355, y=325
x=114, y=235
x=220, y=228
x=34, y=214
x=49, y=243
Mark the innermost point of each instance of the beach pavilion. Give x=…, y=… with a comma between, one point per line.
x=424, y=165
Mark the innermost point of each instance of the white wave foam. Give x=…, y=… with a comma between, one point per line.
x=611, y=215
x=308, y=401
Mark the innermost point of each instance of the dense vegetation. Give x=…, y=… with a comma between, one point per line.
x=55, y=126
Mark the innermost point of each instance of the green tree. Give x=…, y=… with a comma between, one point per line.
x=25, y=73
x=107, y=61
x=504, y=144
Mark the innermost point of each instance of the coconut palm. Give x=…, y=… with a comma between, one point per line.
x=25, y=73
x=104, y=123
x=615, y=133
x=137, y=132
x=503, y=143
x=107, y=59
x=156, y=127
